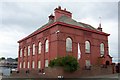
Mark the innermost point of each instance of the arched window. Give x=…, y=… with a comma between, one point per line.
x=68, y=44
x=101, y=49
x=87, y=46
x=33, y=49
x=20, y=52
x=33, y=64
x=39, y=47
x=46, y=46
x=28, y=65
x=25, y=51
x=28, y=50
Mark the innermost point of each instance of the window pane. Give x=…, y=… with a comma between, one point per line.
x=102, y=49
x=39, y=48
x=20, y=65
x=46, y=46
x=28, y=50
x=28, y=65
x=24, y=65
x=33, y=49
x=87, y=47
x=46, y=63
x=88, y=63
x=33, y=64
x=24, y=51
x=20, y=52
x=39, y=64
x=68, y=44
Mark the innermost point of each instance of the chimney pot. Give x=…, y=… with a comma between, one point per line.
x=59, y=7
x=65, y=9
x=51, y=17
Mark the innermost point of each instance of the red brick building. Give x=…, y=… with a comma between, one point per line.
x=63, y=36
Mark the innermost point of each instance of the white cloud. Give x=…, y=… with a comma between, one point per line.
x=8, y=40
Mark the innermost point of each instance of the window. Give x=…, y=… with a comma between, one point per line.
x=39, y=47
x=20, y=52
x=46, y=63
x=20, y=65
x=24, y=51
x=33, y=49
x=28, y=65
x=46, y=46
x=23, y=64
x=87, y=64
x=68, y=44
x=102, y=49
x=107, y=63
x=87, y=46
x=28, y=50
x=33, y=64
x=39, y=64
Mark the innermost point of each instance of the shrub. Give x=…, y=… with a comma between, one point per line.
x=69, y=63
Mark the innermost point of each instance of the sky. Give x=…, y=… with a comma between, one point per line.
x=20, y=18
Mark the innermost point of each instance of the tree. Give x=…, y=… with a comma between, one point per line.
x=16, y=59
x=69, y=63
x=2, y=58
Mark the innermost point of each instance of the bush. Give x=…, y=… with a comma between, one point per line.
x=69, y=63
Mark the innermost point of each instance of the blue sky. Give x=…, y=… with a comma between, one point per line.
x=20, y=18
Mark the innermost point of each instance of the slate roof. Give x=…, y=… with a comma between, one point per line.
x=68, y=20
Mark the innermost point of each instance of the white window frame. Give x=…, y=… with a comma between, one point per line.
x=102, y=49
x=33, y=49
x=46, y=46
x=46, y=63
x=68, y=44
x=39, y=47
x=87, y=46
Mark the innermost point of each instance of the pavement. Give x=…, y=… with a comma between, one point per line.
x=0, y=77
x=101, y=77
x=107, y=76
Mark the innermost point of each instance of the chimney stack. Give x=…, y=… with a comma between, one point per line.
x=59, y=12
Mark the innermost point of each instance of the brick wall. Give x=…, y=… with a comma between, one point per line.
x=82, y=72
x=58, y=71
